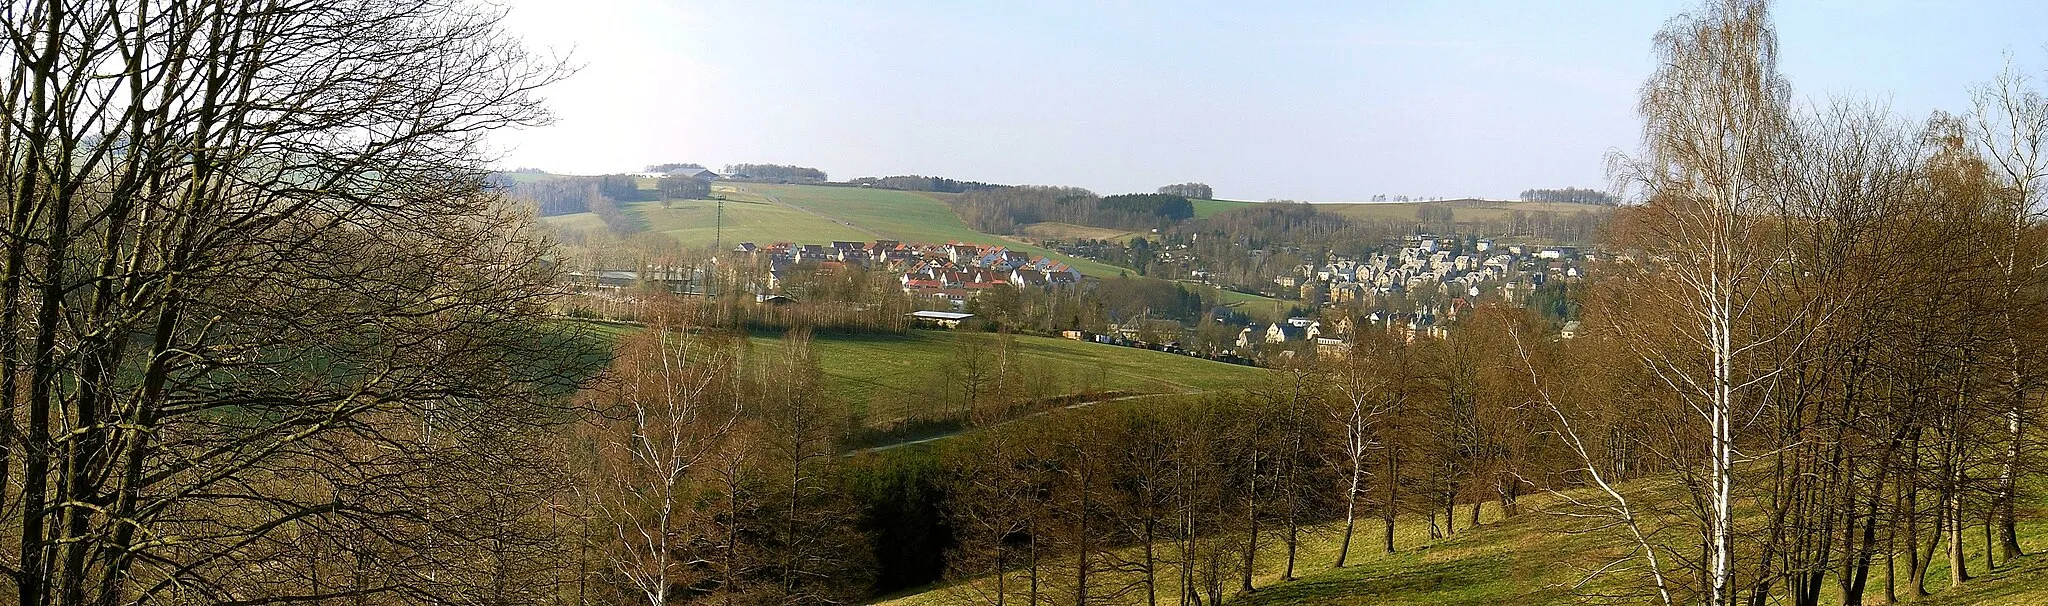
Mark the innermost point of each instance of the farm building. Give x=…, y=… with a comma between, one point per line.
x=943, y=319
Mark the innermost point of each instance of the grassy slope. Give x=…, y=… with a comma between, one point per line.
x=576, y=221
x=1205, y=208
x=891, y=375
x=1531, y=560
x=694, y=223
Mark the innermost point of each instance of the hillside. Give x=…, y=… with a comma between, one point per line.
x=893, y=377
x=766, y=213
x=1532, y=560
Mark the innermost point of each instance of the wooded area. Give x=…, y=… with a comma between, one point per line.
x=271, y=337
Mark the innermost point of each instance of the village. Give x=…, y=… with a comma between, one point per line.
x=1414, y=288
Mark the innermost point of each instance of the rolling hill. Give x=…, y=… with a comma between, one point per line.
x=1533, y=559
x=766, y=213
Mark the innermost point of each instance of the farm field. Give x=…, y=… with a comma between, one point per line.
x=894, y=376
x=1205, y=208
x=694, y=223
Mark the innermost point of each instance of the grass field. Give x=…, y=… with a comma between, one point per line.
x=1532, y=559
x=577, y=221
x=695, y=223
x=1205, y=208
x=892, y=377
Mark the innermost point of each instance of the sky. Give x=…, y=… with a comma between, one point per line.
x=1316, y=101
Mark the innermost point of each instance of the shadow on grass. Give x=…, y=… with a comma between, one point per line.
x=1408, y=578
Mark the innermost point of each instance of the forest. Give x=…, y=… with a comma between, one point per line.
x=1002, y=210
x=273, y=337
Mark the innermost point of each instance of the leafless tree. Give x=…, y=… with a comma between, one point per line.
x=257, y=293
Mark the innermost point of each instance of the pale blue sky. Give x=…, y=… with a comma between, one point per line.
x=1333, y=101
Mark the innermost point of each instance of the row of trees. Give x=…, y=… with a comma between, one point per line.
x=1177, y=501
x=1002, y=210
x=1199, y=191
x=1835, y=324
x=922, y=183
x=1572, y=195
x=774, y=173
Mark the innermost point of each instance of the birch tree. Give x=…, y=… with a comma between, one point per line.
x=1715, y=115
x=2010, y=125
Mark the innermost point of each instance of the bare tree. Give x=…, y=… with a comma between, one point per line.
x=2010, y=124
x=1362, y=382
x=266, y=293
x=665, y=418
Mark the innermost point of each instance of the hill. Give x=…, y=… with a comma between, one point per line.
x=766, y=213
x=1535, y=559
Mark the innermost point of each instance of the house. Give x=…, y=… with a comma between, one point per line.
x=610, y=281
x=944, y=319
x=1327, y=347
x=1310, y=327
x=774, y=300
x=1282, y=332
x=1571, y=329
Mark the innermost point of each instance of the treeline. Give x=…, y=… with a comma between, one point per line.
x=733, y=451
x=1572, y=195
x=1285, y=234
x=774, y=173
x=600, y=195
x=1176, y=502
x=922, y=183
x=1002, y=210
x=1832, y=341
x=1199, y=191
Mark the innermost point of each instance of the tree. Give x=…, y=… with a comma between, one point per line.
x=270, y=300
x=2010, y=124
x=1361, y=379
x=1199, y=191
x=1715, y=119
x=668, y=407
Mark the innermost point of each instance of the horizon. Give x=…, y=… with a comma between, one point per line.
x=1321, y=103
